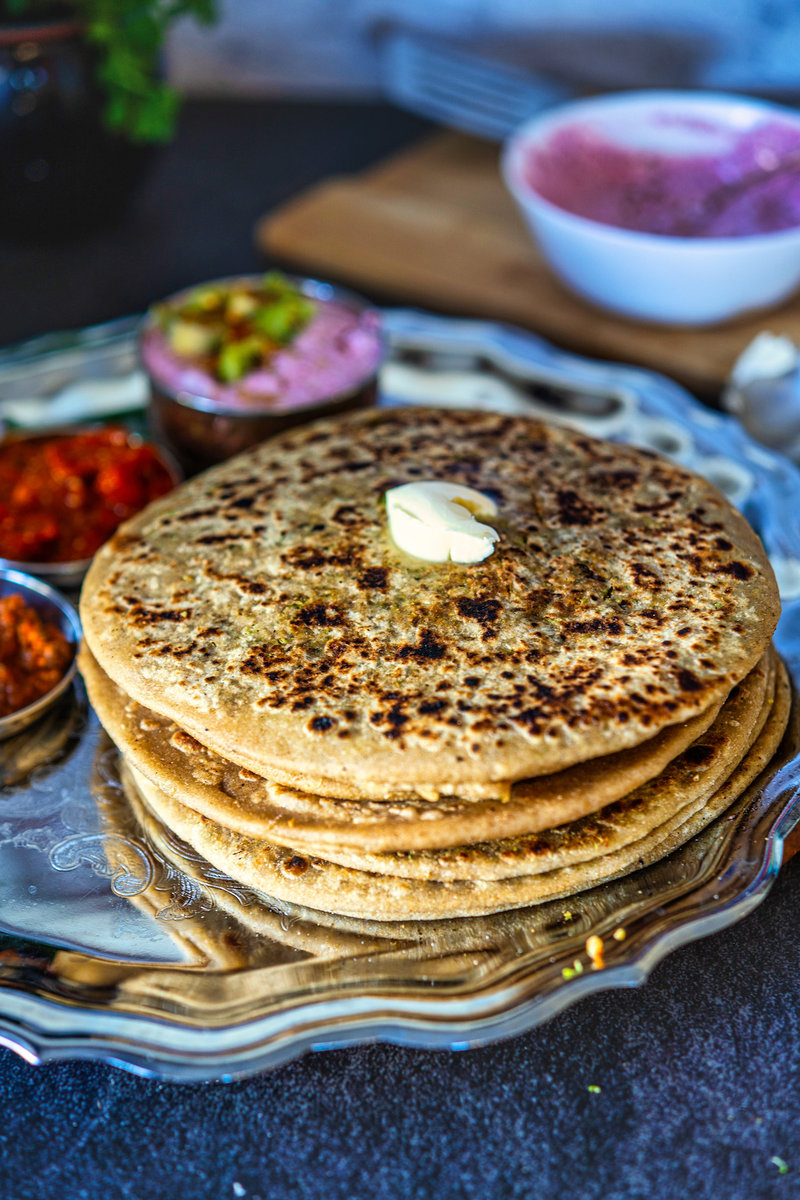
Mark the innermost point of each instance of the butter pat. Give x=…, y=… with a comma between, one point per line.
x=437, y=521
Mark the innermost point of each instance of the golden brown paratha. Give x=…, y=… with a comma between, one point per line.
x=328, y=935
x=695, y=774
x=265, y=610
x=219, y=789
x=427, y=941
x=322, y=885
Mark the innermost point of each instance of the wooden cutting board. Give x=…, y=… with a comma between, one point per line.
x=435, y=227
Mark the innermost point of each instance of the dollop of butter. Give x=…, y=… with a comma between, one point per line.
x=437, y=521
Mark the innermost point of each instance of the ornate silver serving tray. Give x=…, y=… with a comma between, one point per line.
x=118, y=943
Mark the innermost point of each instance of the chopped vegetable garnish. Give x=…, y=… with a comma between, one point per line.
x=594, y=1089
x=188, y=338
x=782, y=1166
x=240, y=305
x=237, y=358
x=283, y=319
x=234, y=329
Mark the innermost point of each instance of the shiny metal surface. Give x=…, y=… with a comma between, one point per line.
x=462, y=88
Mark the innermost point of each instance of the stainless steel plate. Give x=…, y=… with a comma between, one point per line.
x=121, y=944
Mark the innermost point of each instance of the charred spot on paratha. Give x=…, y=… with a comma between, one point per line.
x=374, y=578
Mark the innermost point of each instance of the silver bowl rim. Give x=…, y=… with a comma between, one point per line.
x=22, y=582
x=308, y=286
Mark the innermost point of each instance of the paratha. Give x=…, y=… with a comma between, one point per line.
x=329, y=935
x=695, y=774
x=319, y=884
x=219, y=789
x=263, y=607
x=525, y=927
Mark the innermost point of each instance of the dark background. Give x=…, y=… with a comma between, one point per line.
x=698, y=1070
x=193, y=217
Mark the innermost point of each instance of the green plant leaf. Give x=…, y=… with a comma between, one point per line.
x=128, y=36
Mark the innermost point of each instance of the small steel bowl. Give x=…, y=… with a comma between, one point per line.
x=56, y=610
x=200, y=431
x=69, y=575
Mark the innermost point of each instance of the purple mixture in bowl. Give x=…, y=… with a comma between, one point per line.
x=678, y=175
x=336, y=349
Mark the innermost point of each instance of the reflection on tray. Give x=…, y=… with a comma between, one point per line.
x=47, y=744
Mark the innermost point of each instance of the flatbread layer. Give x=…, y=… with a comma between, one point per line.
x=480, y=935
x=235, y=797
x=696, y=773
x=322, y=885
x=264, y=608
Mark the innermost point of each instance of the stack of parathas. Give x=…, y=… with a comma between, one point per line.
x=340, y=725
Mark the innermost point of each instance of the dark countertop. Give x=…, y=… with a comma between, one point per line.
x=193, y=217
x=699, y=1070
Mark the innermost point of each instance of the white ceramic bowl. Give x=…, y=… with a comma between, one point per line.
x=650, y=276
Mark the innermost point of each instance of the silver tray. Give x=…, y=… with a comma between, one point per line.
x=120, y=944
